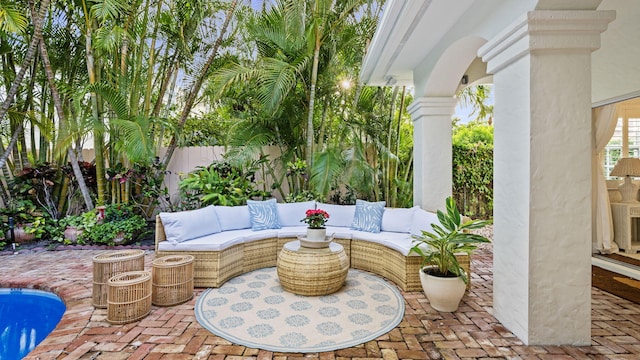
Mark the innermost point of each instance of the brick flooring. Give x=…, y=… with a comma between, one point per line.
x=173, y=332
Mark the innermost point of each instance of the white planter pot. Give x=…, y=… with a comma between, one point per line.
x=444, y=294
x=316, y=234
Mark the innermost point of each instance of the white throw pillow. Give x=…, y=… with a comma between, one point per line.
x=291, y=213
x=422, y=220
x=263, y=214
x=339, y=215
x=368, y=216
x=186, y=225
x=233, y=217
x=398, y=219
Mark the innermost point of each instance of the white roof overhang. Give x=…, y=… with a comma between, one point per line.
x=413, y=34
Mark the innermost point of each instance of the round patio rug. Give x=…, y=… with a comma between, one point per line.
x=253, y=310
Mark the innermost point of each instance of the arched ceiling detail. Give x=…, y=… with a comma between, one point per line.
x=444, y=79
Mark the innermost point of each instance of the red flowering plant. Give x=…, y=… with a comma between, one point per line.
x=316, y=218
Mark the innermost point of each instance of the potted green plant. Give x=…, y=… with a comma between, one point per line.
x=19, y=215
x=120, y=226
x=443, y=279
x=74, y=225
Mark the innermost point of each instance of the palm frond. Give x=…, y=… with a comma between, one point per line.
x=132, y=138
x=117, y=102
x=12, y=19
x=327, y=165
x=108, y=9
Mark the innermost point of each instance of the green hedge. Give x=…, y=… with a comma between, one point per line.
x=473, y=179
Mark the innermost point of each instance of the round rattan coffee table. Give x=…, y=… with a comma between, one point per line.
x=312, y=272
x=110, y=263
x=172, y=280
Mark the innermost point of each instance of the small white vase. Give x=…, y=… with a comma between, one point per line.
x=316, y=234
x=444, y=293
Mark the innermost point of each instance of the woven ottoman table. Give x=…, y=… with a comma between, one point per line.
x=128, y=297
x=172, y=279
x=311, y=271
x=112, y=263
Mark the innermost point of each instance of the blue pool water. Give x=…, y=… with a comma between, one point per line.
x=26, y=318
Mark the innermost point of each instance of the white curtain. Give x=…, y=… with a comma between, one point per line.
x=604, y=120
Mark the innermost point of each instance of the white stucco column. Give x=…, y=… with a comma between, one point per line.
x=542, y=178
x=432, y=178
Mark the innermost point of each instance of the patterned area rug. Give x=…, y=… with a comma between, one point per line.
x=254, y=311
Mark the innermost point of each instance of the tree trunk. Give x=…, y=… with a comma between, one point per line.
x=196, y=88
x=98, y=135
x=59, y=110
x=11, y=94
x=312, y=99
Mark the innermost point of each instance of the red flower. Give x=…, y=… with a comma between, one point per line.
x=316, y=218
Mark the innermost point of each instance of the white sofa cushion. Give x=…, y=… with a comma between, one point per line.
x=340, y=232
x=339, y=215
x=398, y=219
x=295, y=231
x=213, y=242
x=368, y=216
x=233, y=217
x=292, y=231
x=290, y=214
x=422, y=220
x=263, y=214
x=261, y=235
x=380, y=237
x=402, y=245
x=186, y=225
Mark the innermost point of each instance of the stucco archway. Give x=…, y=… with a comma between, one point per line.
x=431, y=112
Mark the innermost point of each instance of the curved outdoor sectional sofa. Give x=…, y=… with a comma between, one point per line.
x=227, y=241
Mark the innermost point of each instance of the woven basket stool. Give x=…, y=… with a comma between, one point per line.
x=172, y=280
x=128, y=297
x=112, y=263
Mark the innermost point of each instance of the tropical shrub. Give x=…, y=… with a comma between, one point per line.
x=473, y=169
x=120, y=226
x=219, y=184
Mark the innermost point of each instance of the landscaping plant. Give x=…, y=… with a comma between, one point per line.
x=438, y=248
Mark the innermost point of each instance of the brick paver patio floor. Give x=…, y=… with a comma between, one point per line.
x=173, y=332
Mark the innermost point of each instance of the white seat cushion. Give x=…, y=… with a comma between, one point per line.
x=214, y=242
x=260, y=235
x=380, y=238
x=292, y=231
x=402, y=245
x=340, y=232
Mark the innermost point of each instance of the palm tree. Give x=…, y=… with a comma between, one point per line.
x=61, y=116
x=476, y=97
x=12, y=16
x=195, y=89
x=328, y=18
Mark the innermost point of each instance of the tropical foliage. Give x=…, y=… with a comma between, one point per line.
x=473, y=169
x=438, y=247
x=220, y=184
x=134, y=80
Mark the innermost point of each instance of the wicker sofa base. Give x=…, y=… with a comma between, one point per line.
x=214, y=268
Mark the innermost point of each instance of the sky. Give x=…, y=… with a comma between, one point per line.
x=464, y=112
